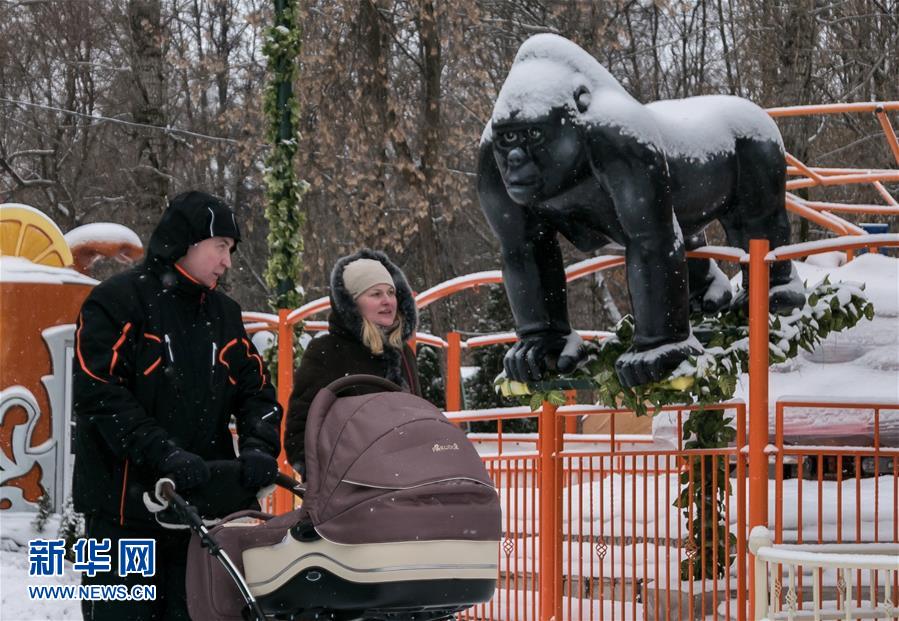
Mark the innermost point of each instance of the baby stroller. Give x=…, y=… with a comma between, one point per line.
x=399, y=522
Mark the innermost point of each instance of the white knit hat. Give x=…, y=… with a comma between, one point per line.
x=364, y=273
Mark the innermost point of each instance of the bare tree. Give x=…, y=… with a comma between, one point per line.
x=120, y=103
x=149, y=171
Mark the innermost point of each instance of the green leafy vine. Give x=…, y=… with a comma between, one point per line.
x=284, y=190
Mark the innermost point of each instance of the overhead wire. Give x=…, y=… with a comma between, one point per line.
x=106, y=119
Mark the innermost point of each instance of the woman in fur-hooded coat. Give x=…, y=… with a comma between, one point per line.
x=348, y=348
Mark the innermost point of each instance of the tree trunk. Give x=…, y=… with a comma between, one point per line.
x=432, y=254
x=149, y=172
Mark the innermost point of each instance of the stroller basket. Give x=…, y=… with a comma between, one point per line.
x=399, y=520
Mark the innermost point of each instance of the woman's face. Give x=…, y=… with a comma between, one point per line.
x=378, y=305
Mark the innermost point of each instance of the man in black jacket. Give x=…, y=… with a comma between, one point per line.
x=163, y=363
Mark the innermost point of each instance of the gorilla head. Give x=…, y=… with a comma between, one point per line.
x=539, y=158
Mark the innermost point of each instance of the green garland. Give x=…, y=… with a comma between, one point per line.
x=284, y=192
x=711, y=377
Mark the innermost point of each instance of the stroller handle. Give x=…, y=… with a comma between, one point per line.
x=290, y=484
x=166, y=489
x=362, y=380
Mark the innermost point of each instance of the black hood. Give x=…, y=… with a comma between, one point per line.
x=345, y=313
x=190, y=217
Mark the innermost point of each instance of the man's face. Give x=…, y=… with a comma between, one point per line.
x=207, y=260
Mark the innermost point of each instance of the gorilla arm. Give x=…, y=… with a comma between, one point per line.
x=636, y=177
x=534, y=277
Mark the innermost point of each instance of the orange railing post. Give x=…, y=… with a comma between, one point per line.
x=558, y=473
x=758, y=391
x=570, y=421
x=453, y=372
x=550, y=568
x=741, y=513
x=283, y=500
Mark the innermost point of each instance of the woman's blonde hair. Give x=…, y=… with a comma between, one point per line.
x=373, y=337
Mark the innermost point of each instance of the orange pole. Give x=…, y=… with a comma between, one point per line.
x=550, y=498
x=570, y=421
x=849, y=178
x=805, y=170
x=453, y=372
x=283, y=500
x=285, y=358
x=778, y=472
x=557, y=524
x=741, y=513
x=833, y=108
x=758, y=392
x=814, y=216
x=888, y=131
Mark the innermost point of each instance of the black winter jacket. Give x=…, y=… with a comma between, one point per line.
x=341, y=352
x=161, y=362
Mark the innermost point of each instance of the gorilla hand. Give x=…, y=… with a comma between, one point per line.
x=714, y=294
x=636, y=368
x=529, y=358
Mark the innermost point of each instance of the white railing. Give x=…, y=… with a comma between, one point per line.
x=832, y=570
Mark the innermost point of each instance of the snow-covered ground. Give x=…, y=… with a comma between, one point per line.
x=15, y=531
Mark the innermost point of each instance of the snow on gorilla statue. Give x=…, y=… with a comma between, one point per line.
x=568, y=151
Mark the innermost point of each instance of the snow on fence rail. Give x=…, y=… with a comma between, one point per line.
x=830, y=569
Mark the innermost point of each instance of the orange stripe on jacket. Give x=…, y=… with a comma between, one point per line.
x=258, y=359
x=153, y=366
x=225, y=362
x=222, y=353
x=187, y=275
x=122, y=501
x=78, y=351
x=115, y=348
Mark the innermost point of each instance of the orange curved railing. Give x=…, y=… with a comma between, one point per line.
x=822, y=212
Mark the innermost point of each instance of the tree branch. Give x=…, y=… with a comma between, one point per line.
x=24, y=183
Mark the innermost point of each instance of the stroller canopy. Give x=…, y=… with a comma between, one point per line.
x=388, y=466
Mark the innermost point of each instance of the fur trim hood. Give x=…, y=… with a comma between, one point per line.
x=344, y=312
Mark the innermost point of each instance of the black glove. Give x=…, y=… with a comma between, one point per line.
x=187, y=470
x=257, y=469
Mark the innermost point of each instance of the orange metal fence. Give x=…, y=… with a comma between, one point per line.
x=617, y=542
x=843, y=484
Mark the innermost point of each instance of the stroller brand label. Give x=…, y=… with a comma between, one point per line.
x=437, y=448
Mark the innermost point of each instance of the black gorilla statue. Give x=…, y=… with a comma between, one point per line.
x=568, y=151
